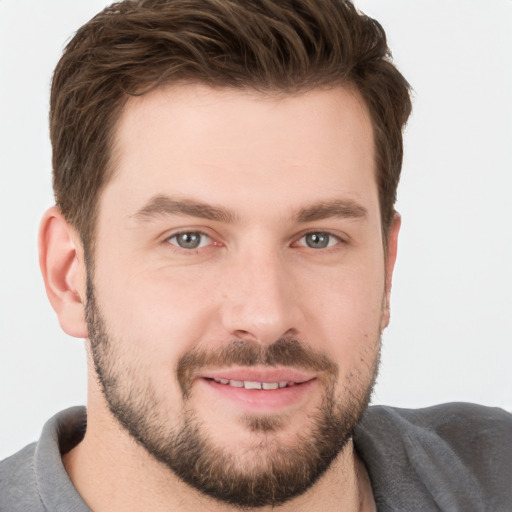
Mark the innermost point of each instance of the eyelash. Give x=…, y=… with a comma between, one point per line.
x=206, y=243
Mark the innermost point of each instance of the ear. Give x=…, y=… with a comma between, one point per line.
x=392, y=247
x=61, y=259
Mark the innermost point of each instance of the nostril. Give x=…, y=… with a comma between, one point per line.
x=240, y=334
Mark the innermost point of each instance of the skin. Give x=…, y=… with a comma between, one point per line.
x=262, y=159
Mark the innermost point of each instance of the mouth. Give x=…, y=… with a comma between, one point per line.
x=260, y=390
x=248, y=384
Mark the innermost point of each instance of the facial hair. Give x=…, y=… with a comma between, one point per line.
x=279, y=471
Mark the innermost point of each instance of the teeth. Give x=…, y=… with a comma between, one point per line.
x=254, y=385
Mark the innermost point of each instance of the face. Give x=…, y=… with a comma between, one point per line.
x=239, y=285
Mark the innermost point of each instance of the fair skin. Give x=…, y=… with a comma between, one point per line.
x=272, y=173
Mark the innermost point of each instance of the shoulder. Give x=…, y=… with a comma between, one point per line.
x=18, y=487
x=458, y=452
x=480, y=436
x=449, y=421
x=34, y=479
x=467, y=428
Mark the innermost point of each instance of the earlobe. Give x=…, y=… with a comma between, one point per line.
x=62, y=264
x=392, y=248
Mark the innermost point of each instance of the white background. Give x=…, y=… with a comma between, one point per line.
x=450, y=337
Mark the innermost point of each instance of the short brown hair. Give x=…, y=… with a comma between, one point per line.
x=290, y=46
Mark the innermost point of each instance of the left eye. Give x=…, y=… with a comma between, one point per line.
x=190, y=240
x=319, y=240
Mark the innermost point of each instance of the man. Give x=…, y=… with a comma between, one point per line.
x=224, y=238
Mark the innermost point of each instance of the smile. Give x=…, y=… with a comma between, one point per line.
x=254, y=384
x=259, y=390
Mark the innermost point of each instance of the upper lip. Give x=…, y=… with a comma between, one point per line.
x=255, y=374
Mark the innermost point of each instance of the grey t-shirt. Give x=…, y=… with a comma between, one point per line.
x=452, y=457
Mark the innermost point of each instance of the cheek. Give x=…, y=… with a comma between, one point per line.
x=151, y=323
x=165, y=313
x=346, y=315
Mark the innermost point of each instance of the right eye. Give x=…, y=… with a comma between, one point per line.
x=190, y=240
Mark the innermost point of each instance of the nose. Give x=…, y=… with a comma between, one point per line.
x=260, y=299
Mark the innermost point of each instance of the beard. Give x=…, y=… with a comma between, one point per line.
x=274, y=472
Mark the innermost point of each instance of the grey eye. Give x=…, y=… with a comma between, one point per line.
x=189, y=240
x=318, y=240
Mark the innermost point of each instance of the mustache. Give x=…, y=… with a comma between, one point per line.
x=283, y=352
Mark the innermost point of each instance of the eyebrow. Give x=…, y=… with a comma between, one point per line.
x=161, y=205
x=335, y=208
x=164, y=205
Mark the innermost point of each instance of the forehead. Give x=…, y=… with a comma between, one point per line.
x=270, y=149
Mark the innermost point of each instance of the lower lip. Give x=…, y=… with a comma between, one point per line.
x=258, y=400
